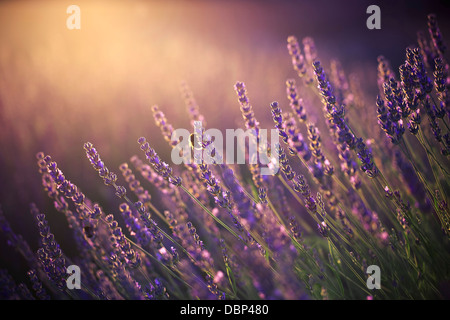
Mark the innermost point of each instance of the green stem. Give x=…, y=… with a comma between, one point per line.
x=210, y=213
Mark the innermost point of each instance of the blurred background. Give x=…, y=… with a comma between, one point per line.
x=60, y=88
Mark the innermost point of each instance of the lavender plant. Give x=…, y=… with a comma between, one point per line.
x=346, y=197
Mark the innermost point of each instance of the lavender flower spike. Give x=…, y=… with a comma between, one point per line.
x=436, y=34
x=298, y=60
x=109, y=178
x=160, y=167
x=365, y=155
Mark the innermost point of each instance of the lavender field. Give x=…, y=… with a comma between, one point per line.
x=87, y=176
